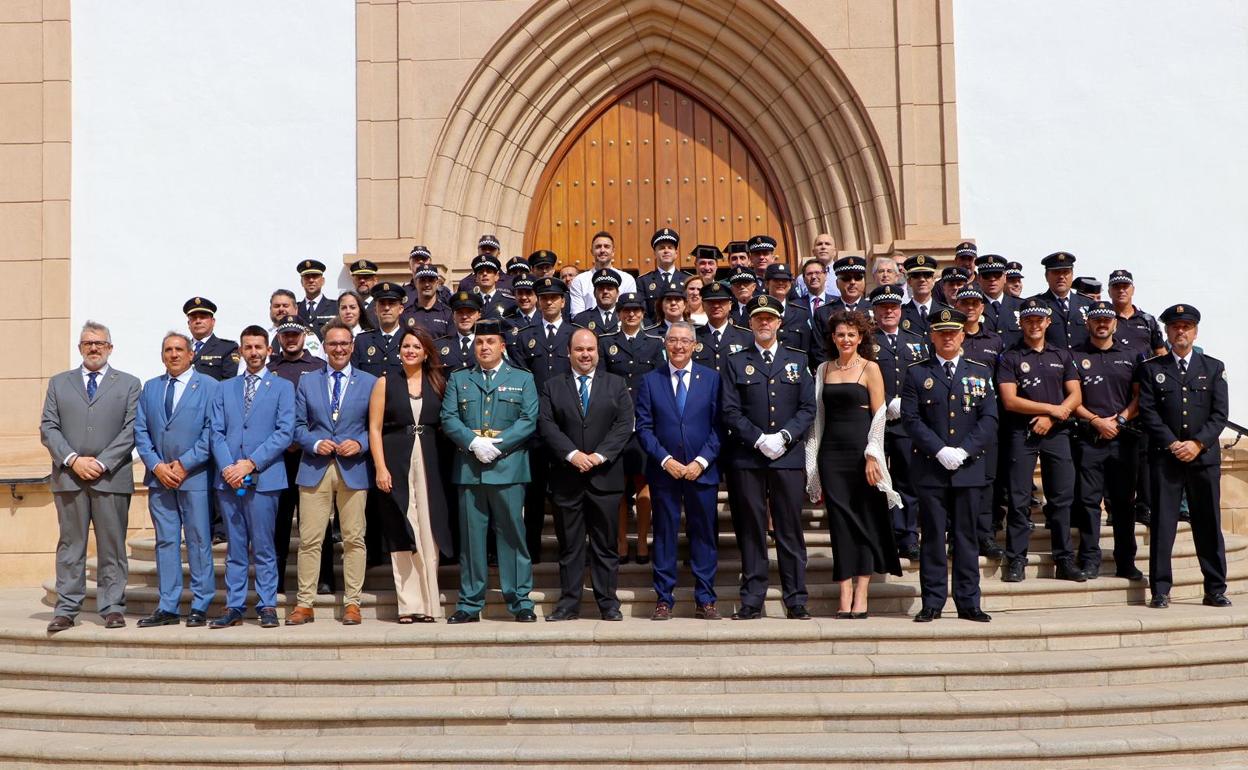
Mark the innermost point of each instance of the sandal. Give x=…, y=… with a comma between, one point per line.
x=426, y=619
x=407, y=620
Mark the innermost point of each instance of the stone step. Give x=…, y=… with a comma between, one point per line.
x=1180, y=745
x=501, y=676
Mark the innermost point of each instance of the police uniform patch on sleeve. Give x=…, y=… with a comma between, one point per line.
x=411, y=322
x=928, y=383
x=749, y=369
x=905, y=324
x=235, y=358
x=1024, y=367
x=1161, y=377
x=372, y=351
x=532, y=342
x=613, y=350
x=1086, y=364
x=591, y=326
x=446, y=350
x=698, y=349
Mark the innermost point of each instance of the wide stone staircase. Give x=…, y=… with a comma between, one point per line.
x=1066, y=675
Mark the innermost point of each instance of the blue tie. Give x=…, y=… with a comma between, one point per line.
x=682, y=393
x=91, y=386
x=335, y=400
x=173, y=383
x=584, y=380
x=199, y=345
x=249, y=393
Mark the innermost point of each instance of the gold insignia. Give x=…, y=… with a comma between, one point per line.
x=1024, y=367
x=591, y=326
x=653, y=286
x=928, y=383
x=1161, y=377
x=1178, y=309
x=234, y=357
x=905, y=324
x=613, y=350
x=944, y=315
x=698, y=349
x=749, y=369
x=1086, y=364
x=446, y=350
x=198, y=301
x=532, y=342
x=876, y=348
x=411, y=321
x=372, y=350
x=922, y=260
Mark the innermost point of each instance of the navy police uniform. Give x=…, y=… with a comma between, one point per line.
x=212, y=355
x=1070, y=313
x=322, y=310
x=377, y=350
x=651, y=285
x=435, y=319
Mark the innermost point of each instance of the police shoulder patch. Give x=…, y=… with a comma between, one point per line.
x=905, y=324
x=446, y=350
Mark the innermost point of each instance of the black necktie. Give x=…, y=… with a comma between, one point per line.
x=949, y=370
x=485, y=298
x=550, y=334
x=892, y=341
x=464, y=344
x=1065, y=304
x=606, y=318
x=766, y=358
x=387, y=338
x=716, y=334
x=1182, y=368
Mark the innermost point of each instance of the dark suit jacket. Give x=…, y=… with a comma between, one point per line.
x=937, y=415
x=605, y=429
x=1174, y=408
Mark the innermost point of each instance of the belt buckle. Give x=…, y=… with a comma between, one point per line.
x=415, y=430
x=486, y=433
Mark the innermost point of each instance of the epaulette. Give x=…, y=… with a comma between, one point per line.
x=795, y=350
x=921, y=361
x=1154, y=358
x=742, y=328
x=977, y=363
x=651, y=326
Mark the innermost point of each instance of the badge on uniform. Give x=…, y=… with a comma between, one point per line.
x=1086, y=364
x=411, y=321
x=1160, y=378
x=749, y=369
x=792, y=372
x=613, y=350
x=446, y=351
x=234, y=357
x=905, y=324
x=928, y=383
x=372, y=351
x=876, y=348
x=532, y=342
x=916, y=349
x=653, y=286
x=698, y=349
x=590, y=326
x=1024, y=367
x=735, y=348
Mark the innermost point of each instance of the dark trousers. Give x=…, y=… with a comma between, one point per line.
x=700, y=502
x=1143, y=476
x=287, y=502
x=784, y=488
x=952, y=510
x=985, y=506
x=905, y=519
x=1170, y=480
x=1057, y=474
x=580, y=512
x=535, y=501
x=1105, y=470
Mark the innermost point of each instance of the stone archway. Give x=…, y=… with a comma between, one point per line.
x=561, y=59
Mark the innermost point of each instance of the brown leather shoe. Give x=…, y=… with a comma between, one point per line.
x=351, y=615
x=60, y=623
x=706, y=612
x=114, y=620
x=300, y=616
x=662, y=611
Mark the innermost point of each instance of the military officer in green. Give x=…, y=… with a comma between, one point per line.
x=489, y=413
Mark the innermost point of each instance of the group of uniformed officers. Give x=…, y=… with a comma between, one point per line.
x=1121, y=411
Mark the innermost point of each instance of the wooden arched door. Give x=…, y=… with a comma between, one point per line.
x=654, y=156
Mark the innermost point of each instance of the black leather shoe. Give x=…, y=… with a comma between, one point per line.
x=196, y=619
x=268, y=617
x=559, y=615
x=644, y=558
x=988, y=548
x=975, y=614
x=325, y=589
x=232, y=617
x=911, y=553
x=1066, y=570
x=1159, y=601
x=1216, y=600
x=927, y=615
x=459, y=616
x=1130, y=574
x=159, y=618
x=1091, y=571
x=218, y=539
x=746, y=612
x=1014, y=571
x=60, y=623
x=526, y=616
x=613, y=615
x=797, y=612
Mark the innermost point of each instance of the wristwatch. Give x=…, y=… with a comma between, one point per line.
x=1122, y=421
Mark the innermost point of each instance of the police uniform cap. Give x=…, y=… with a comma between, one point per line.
x=606, y=277
x=523, y=282
x=850, y=265
x=1180, y=313
x=199, y=305
x=420, y=252
x=486, y=262
x=990, y=263
x=778, y=271
x=1121, y=276
x=311, y=267
x=946, y=319
x=1059, y=260
x=426, y=271
x=970, y=292
x=489, y=241
x=630, y=300
x=1013, y=270
x=465, y=299
x=743, y=276
x=388, y=290
x=542, y=258
x=291, y=323
x=716, y=290
x=488, y=326
x=363, y=267
x=1086, y=284
x=517, y=263
x=764, y=304
x=886, y=293
x=919, y=264
x=1102, y=309
x=955, y=273
x=550, y=286
x=1032, y=306
x=736, y=247
x=673, y=290
x=703, y=251
x=664, y=235
x=761, y=243
x=966, y=249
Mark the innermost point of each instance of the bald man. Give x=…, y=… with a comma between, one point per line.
x=823, y=249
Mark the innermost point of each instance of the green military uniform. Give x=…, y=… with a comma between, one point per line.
x=505, y=409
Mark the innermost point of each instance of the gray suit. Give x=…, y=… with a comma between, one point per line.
x=103, y=428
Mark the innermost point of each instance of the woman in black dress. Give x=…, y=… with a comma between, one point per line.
x=843, y=467
x=405, y=406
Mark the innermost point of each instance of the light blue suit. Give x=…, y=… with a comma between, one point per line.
x=184, y=437
x=262, y=436
x=313, y=422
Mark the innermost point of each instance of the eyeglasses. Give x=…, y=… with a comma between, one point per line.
x=92, y=344
x=679, y=341
x=337, y=344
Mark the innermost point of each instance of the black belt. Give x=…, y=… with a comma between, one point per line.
x=415, y=430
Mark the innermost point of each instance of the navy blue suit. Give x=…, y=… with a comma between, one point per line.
x=664, y=431
x=183, y=436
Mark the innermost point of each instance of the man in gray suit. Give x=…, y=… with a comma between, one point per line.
x=88, y=428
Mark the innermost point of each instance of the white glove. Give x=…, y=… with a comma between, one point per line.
x=962, y=455
x=484, y=449
x=893, y=410
x=950, y=458
x=771, y=445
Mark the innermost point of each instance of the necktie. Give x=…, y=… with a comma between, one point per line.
x=463, y=346
x=949, y=370
x=249, y=393
x=766, y=358
x=682, y=393
x=485, y=298
x=199, y=345
x=996, y=307
x=387, y=338
x=1065, y=304
x=606, y=318
x=310, y=305
x=550, y=334
x=335, y=400
x=1182, y=368
x=584, y=380
x=892, y=341
x=717, y=336
x=489, y=378
x=922, y=311
x=814, y=301
x=169, y=397
x=91, y=384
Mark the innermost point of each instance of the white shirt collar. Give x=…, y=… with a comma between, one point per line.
x=687, y=369
x=103, y=371
x=720, y=329
x=184, y=377
x=556, y=323
x=495, y=369
x=1187, y=359
x=577, y=375
x=775, y=346
x=346, y=371
x=955, y=360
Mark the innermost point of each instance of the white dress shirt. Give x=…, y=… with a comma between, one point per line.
x=182, y=381
x=589, y=389
x=671, y=375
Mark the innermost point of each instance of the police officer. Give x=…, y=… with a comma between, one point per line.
x=542, y=264
x=378, y=349
x=516, y=267
x=315, y=309
x=670, y=310
x=950, y=413
x=762, y=250
x=426, y=310
x=1184, y=406
x=895, y=350
x=456, y=350
x=1087, y=286
x=921, y=278
x=525, y=314
x=419, y=257
x=364, y=278
x=985, y=346
x=651, y=285
x=487, y=246
x=738, y=253
x=964, y=256
x=952, y=279
x=213, y=356
x=744, y=286
x=495, y=302
x=603, y=318
x=1014, y=279
x=1068, y=327
x=768, y=402
x=1039, y=390
x=719, y=338
x=631, y=351
x=795, y=331
x=1000, y=309
x=851, y=283
x=1106, y=454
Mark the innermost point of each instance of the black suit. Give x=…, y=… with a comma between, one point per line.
x=216, y=358
x=323, y=311
x=1004, y=319
x=586, y=501
x=819, y=326
x=1069, y=329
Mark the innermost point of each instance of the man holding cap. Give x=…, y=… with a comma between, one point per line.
x=211, y=355
x=1184, y=406
x=653, y=284
x=582, y=289
x=1068, y=328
